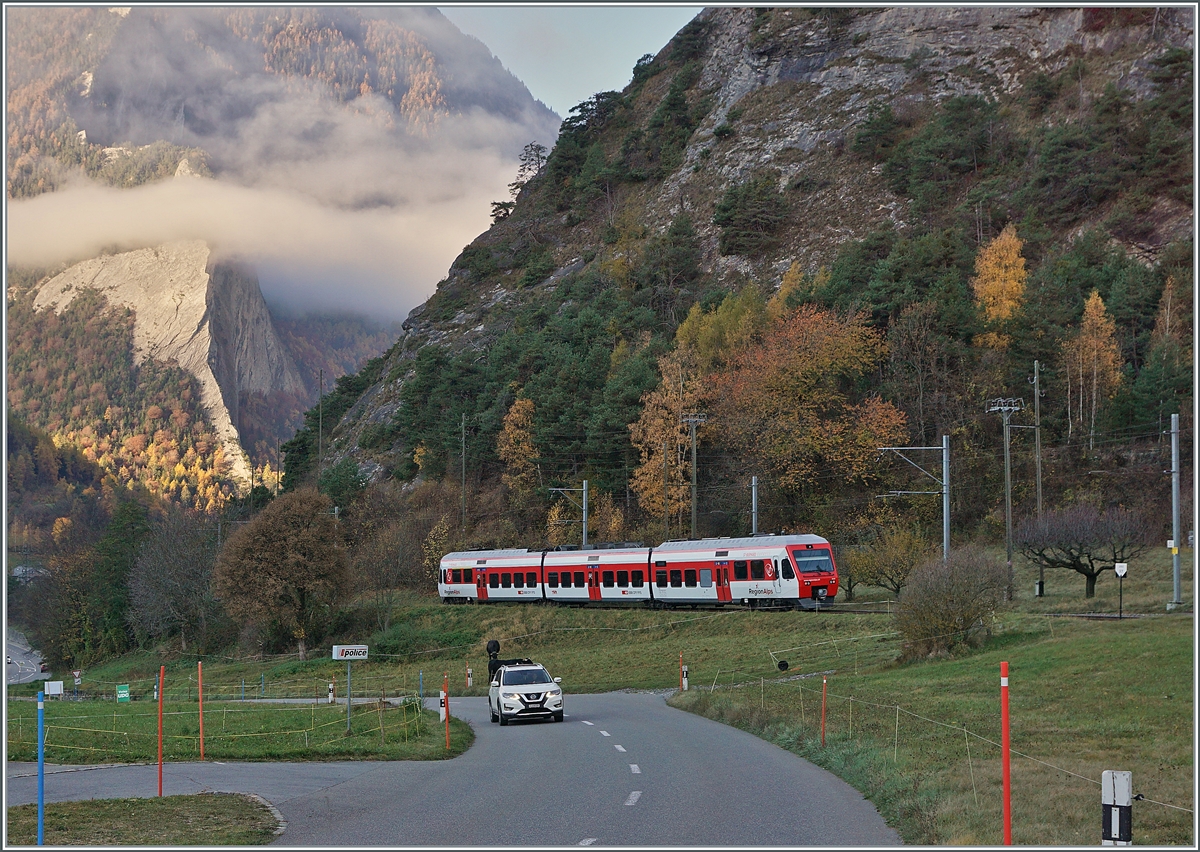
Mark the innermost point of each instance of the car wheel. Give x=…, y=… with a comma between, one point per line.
x=495, y=718
x=503, y=720
x=558, y=717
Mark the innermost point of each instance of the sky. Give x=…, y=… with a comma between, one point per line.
x=331, y=213
x=565, y=54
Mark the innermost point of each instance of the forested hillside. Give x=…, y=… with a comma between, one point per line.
x=826, y=248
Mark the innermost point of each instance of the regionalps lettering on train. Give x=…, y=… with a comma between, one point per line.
x=786, y=571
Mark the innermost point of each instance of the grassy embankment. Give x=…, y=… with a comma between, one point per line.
x=1086, y=696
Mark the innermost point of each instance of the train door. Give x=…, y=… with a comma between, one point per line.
x=481, y=588
x=593, y=581
x=721, y=574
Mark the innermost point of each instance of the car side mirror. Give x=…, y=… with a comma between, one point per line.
x=495, y=683
x=558, y=680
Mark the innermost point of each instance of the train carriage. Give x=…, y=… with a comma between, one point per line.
x=499, y=575
x=614, y=575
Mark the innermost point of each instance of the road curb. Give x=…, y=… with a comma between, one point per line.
x=282, y=827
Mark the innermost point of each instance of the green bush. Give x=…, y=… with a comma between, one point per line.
x=750, y=215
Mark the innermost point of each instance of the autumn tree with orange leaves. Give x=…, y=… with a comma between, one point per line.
x=790, y=407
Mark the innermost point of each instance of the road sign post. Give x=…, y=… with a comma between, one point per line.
x=1121, y=568
x=349, y=653
x=122, y=693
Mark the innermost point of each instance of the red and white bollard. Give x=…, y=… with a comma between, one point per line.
x=1005, y=763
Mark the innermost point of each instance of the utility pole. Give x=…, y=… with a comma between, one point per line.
x=944, y=482
x=320, y=418
x=666, y=499
x=754, y=505
x=691, y=419
x=464, y=473
x=1006, y=407
x=1177, y=600
x=1037, y=456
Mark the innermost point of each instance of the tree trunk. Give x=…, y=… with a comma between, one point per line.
x=301, y=648
x=1091, y=585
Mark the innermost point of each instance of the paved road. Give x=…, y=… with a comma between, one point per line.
x=26, y=663
x=622, y=770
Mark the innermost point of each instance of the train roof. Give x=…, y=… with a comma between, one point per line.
x=740, y=543
x=489, y=554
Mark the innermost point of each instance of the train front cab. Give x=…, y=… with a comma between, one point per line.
x=456, y=578
x=817, y=573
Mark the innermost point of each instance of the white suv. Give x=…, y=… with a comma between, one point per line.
x=525, y=691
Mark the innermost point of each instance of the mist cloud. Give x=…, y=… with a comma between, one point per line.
x=342, y=205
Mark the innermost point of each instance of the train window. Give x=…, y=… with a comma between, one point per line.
x=689, y=578
x=552, y=579
x=756, y=569
x=579, y=581
x=609, y=579
x=705, y=578
x=817, y=560
x=518, y=580
x=786, y=566
x=468, y=575
x=494, y=581
x=506, y=580
x=622, y=579
x=676, y=578
x=638, y=579
x=531, y=579
x=739, y=571
x=660, y=579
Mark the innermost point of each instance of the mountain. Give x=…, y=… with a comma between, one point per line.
x=174, y=164
x=830, y=230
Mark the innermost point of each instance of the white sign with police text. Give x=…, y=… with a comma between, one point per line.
x=349, y=652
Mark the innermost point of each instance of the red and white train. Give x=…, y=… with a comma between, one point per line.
x=788, y=571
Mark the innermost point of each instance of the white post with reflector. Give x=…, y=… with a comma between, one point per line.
x=1116, y=805
x=685, y=678
x=441, y=705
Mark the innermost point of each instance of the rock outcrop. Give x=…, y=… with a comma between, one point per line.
x=205, y=314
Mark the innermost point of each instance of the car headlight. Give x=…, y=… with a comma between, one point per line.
x=512, y=696
x=554, y=692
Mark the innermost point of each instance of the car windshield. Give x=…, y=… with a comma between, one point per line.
x=524, y=676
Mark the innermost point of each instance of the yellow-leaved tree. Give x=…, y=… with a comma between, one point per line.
x=517, y=450
x=1091, y=362
x=663, y=476
x=999, y=286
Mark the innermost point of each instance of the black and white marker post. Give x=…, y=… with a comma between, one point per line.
x=1116, y=807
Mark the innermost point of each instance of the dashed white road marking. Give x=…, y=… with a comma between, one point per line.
x=635, y=769
x=588, y=723
x=588, y=841
x=605, y=734
x=633, y=797
x=620, y=748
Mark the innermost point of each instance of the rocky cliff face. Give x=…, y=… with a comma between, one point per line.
x=205, y=314
x=783, y=92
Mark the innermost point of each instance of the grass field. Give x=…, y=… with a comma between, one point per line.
x=211, y=819
x=1086, y=695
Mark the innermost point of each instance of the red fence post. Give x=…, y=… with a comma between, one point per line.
x=824, y=689
x=200, y=681
x=162, y=673
x=1005, y=755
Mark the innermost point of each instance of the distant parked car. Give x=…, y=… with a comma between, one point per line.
x=45, y=667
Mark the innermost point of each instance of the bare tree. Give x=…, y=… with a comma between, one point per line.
x=287, y=566
x=170, y=585
x=888, y=561
x=1083, y=539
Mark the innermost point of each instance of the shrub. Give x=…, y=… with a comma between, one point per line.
x=950, y=603
x=750, y=215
